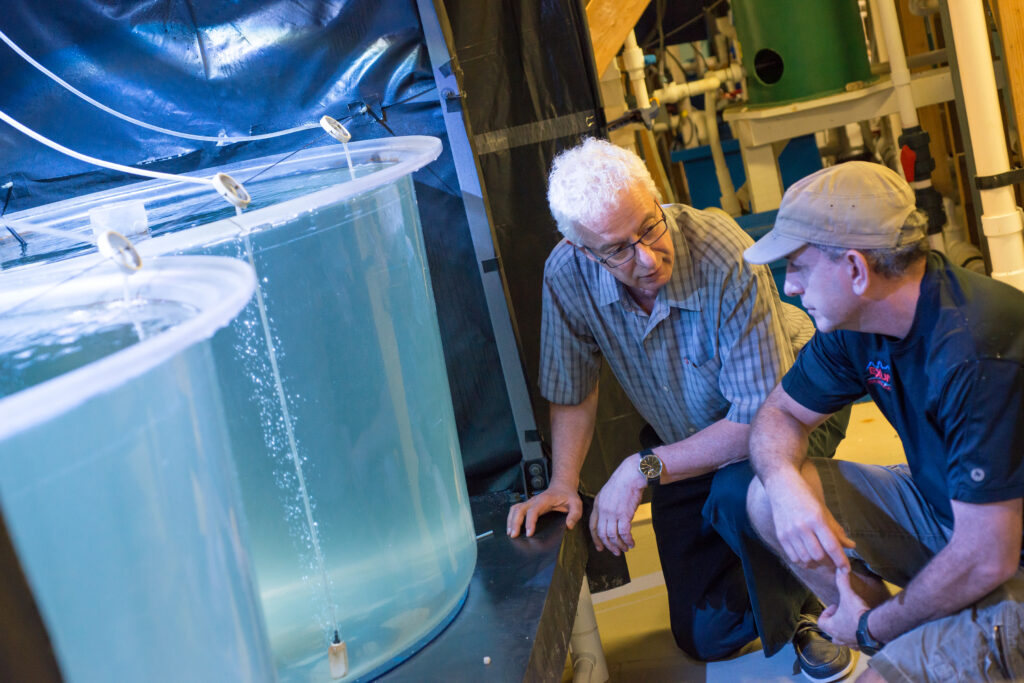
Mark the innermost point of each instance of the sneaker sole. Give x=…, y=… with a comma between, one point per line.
x=854, y=655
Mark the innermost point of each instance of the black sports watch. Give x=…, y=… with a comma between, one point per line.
x=865, y=641
x=650, y=467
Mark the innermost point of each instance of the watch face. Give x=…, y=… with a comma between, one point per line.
x=650, y=466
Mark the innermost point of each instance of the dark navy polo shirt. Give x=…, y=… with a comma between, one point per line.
x=953, y=388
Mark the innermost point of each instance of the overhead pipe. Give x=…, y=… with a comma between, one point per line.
x=674, y=92
x=1002, y=221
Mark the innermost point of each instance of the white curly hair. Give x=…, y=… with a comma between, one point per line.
x=586, y=182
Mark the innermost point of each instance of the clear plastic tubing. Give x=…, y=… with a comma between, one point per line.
x=220, y=139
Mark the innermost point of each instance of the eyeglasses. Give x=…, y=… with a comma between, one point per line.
x=627, y=253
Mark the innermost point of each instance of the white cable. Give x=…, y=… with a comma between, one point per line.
x=100, y=162
x=204, y=138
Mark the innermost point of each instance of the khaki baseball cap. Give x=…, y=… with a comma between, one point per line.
x=855, y=205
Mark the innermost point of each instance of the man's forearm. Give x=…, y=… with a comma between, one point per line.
x=710, y=449
x=984, y=555
x=946, y=585
x=778, y=443
x=572, y=429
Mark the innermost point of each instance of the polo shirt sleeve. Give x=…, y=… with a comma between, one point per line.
x=570, y=360
x=824, y=378
x=982, y=417
x=754, y=342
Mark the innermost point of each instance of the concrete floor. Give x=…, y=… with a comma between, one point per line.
x=633, y=620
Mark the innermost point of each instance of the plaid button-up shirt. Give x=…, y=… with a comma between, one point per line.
x=715, y=344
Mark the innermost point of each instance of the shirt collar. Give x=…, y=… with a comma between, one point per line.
x=680, y=291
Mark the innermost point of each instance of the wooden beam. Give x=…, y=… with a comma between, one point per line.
x=1010, y=15
x=610, y=22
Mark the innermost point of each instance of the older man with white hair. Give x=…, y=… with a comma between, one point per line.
x=697, y=338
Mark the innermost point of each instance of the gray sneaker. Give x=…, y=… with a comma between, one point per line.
x=820, y=659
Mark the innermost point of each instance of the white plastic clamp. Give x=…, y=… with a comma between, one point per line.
x=231, y=190
x=335, y=129
x=120, y=250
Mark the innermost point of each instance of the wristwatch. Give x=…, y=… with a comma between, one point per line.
x=650, y=467
x=865, y=641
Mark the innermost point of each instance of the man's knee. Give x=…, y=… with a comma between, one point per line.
x=714, y=635
x=726, y=506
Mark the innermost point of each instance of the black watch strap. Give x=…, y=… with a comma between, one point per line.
x=867, y=643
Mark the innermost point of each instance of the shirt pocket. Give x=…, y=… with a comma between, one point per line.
x=701, y=367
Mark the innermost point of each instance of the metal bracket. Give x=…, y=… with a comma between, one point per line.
x=991, y=182
x=642, y=116
x=370, y=104
x=452, y=101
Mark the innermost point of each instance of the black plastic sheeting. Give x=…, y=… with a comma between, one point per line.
x=531, y=90
x=249, y=67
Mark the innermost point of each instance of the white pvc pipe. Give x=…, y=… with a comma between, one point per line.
x=1001, y=220
x=674, y=92
x=588, y=662
x=958, y=247
x=730, y=203
x=633, y=62
x=897, y=62
x=881, y=54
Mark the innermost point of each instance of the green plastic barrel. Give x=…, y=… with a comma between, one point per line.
x=799, y=49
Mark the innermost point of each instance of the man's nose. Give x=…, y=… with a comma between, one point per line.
x=645, y=254
x=790, y=287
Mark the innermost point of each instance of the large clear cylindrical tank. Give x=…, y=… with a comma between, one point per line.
x=340, y=413
x=116, y=478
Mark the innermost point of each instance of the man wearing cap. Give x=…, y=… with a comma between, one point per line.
x=697, y=338
x=941, y=352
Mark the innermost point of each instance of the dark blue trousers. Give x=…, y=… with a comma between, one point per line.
x=725, y=587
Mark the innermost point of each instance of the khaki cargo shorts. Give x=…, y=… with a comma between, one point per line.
x=897, y=533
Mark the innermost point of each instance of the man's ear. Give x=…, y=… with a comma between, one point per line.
x=858, y=270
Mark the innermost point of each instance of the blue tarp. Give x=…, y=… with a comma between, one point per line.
x=247, y=67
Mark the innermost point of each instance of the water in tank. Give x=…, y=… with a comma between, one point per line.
x=116, y=478
x=340, y=413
